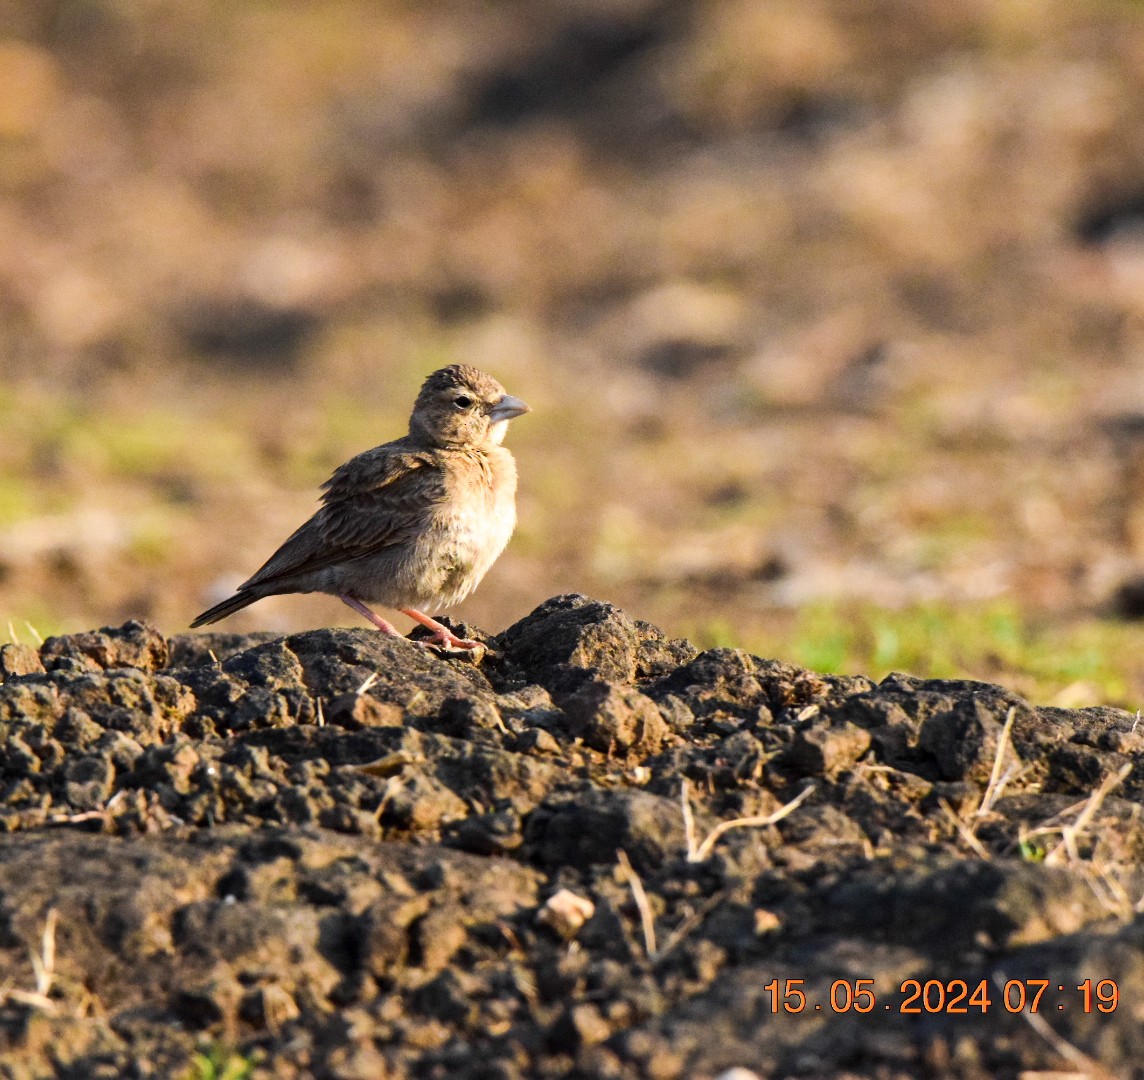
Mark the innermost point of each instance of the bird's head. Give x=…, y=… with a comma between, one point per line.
x=460, y=406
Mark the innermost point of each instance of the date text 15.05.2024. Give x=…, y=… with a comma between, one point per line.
x=950, y=996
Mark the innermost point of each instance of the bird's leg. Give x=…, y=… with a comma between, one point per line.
x=442, y=635
x=377, y=620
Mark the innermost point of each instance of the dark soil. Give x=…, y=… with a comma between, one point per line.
x=331, y=855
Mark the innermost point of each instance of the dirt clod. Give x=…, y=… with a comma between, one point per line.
x=342, y=855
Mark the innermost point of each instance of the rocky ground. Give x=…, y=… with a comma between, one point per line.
x=340, y=855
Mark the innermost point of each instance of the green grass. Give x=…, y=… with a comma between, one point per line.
x=1083, y=662
x=154, y=443
x=23, y=628
x=219, y=1063
x=70, y=440
x=17, y=499
x=152, y=539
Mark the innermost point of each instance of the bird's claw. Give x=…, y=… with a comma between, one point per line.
x=472, y=651
x=451, y=642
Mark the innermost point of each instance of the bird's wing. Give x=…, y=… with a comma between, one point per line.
x=376, y=500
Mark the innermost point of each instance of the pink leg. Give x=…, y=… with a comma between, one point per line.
x=441, y=634
x=377, y=620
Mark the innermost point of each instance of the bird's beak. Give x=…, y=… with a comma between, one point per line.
x=507, y=408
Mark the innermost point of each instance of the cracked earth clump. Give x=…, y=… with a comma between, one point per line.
x=331, y=855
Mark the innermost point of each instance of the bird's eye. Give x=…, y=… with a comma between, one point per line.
x=462, y=402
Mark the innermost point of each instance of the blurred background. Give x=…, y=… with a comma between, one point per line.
x=831, y=312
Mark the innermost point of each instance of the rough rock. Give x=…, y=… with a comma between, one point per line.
x=330, y=854
x=614, y=718
x=132, y=645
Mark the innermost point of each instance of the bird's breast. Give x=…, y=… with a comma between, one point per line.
x=477, y=523
x=483, y=513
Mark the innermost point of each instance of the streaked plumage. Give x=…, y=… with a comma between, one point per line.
x=413, y=524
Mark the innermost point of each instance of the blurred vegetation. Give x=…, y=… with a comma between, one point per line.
x=1073, y=664
x=831, y=314
x=219, y=1063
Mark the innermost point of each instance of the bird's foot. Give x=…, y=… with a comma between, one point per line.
x=443, y=637
x=449, y=640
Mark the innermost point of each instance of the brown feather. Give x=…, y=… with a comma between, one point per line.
x=380, y=498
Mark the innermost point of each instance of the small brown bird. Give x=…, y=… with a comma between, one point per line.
x=413, y=524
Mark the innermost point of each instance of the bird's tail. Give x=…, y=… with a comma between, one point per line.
x=229, y=606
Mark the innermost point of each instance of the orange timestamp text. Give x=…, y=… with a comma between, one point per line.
x=949, y=996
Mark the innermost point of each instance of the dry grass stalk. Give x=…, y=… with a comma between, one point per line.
x=392, y=787
x=34, y=632
x=1050, y=824
x=76, y=819
x=997, y=783
x=1108, y=867
x=690, y=923
x=647, y=922
x=369, y=680
x=688, y=819
x=1110, y=894
x=44, y=967
x=963, y=830
x=704, y=850
x=104, y=812
x=1086, y=1067
x=1070, y=833
x=1054, y=1074
x=29, y=998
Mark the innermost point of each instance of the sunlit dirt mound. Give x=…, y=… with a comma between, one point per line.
x=337, y=854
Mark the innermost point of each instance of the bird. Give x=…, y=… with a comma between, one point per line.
x=413, y=524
